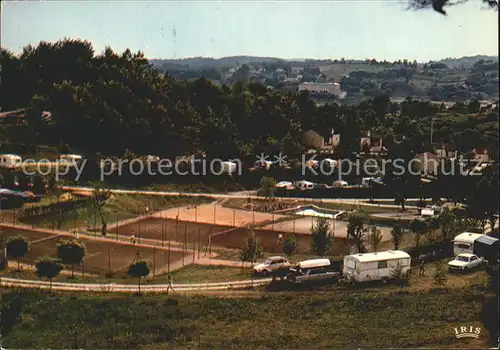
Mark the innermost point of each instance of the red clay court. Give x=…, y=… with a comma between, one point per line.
x=200, y=234
x=101, y=257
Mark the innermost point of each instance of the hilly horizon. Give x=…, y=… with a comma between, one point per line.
x=202, y=61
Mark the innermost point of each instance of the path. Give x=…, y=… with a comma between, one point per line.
x=128, y=288
x=351, y=201
x=220, y=262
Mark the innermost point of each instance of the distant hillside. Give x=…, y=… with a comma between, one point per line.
x=233, y=61
x=450, y=79
x=466, y=62
x=207, y=63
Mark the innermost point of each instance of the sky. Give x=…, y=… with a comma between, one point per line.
x=286, y=29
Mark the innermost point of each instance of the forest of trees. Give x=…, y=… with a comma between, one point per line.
x=111, y=102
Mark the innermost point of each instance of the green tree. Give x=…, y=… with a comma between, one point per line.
x=356, y=229
x=267, y=187
x=482, y=200
x=321, y=237
x=398, y=177
x=418, y=227
x=375, y=237
x=399, y=276
x=49, y=268
x=432, y=225
x=447, y=221
x=289, y=246
x=440, y=274
x=440, y=5
x=251, y=251
x=99, y=198
x=474, y=106
x=71, y=253
x=397, y=234
x=138, y=270
x=17, y=247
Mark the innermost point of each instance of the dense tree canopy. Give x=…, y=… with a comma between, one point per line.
x=440, y=5
x=109, y=102
x=123, y=102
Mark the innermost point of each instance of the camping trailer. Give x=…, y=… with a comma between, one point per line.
x=70, y=159
x=10, y=160
x=340, y=184
x=305, y=185
x=375, y=266
x=464, y=242
x=228, y=167
x=482, y=245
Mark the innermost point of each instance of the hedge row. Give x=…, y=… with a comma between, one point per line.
x=55, y=208
x=431, y=251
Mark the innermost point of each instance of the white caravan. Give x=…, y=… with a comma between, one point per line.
x=340, y=184
x=304, y=185
x=70, y=159
x=464, y=242
x=10, y=160
x=228, y=167
x=375, y=266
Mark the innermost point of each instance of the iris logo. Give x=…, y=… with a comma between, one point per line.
x=467, y=332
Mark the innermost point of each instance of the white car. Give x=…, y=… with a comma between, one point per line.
x=271, y=264
x=312, y=270
x=464, y=262
x=340, y=184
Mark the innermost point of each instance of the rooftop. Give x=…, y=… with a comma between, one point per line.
x=377, y=256
x=467, y=237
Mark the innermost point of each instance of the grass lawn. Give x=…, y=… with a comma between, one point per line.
x=206, y=274
x=118, y=207
x=192, y=273
x=389, y=316
x=30, y=275
x=219, y=187
x=189, y=274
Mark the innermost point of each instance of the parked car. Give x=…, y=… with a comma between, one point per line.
x=464, y=262
x=313, y=270
x=271, y=264
x=340, y=184
x=305, y=185
x=482, y=245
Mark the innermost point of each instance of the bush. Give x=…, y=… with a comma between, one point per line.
x=440, y=274
x=432, y=251
x=399, y=276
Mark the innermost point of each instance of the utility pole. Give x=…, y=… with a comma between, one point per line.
x=185, y=244
x=199, y=243
x=154, y=260
x=432, y=129
x=116, y=229
x=168, y=264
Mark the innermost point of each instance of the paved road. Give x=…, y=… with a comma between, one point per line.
x=248, y=194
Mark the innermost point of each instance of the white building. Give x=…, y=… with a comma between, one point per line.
x=329, y=88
